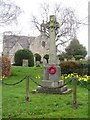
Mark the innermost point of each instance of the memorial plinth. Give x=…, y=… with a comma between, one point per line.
x=51, y=82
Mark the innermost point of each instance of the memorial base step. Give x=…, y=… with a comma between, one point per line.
x=52, y=87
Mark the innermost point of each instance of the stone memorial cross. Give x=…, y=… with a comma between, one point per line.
x=52, y=26
x=52, y=74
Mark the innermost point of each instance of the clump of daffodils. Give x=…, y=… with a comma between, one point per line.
x=79, y=77
x=37, y=77
x=2, y=77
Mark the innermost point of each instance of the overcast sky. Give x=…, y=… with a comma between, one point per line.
x=32, y=7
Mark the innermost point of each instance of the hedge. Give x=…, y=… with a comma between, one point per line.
x=68, y=67
x=5, y=66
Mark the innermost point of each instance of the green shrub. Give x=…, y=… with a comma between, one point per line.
x=24, y=54
x=88, y=67
x=68, y=67
x=5, y=66
x=61, y=57
x=78, y=57
x=37, y=57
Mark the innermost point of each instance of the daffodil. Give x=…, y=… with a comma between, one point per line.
x=66, y=77
x=79, y=77
x=85, y=79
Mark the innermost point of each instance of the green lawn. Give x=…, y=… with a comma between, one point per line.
x=40, y=105
x=0, y=101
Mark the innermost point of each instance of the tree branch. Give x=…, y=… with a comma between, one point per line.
x=8, y=12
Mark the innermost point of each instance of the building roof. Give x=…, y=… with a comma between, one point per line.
x=10, y=40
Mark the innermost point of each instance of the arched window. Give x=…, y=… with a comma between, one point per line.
x=43, y=44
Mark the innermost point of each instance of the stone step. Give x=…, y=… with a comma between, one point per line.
x=67, y=91
x=51, y=90
x=51, y=83
x=63, y=88
x=34, y=91
x=52, y=87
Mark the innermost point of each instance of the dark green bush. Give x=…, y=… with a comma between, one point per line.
x=37, y=57
x=24, y=54
x=61, y=57
x=68, y=67
x=78, y=57
x=89, y=67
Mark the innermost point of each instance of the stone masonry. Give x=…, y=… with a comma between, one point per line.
x=51, y=82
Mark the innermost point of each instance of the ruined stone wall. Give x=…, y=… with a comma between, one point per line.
x=12, y=43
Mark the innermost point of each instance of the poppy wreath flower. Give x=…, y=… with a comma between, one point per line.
x=52, y=70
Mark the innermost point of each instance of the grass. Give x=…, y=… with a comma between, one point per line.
x=40, y=105
x=0, y=101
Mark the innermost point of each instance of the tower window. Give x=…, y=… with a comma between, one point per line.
x=43, y=44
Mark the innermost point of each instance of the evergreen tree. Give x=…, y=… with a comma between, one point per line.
x=75, y=49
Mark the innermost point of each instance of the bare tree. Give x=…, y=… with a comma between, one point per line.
x=8, y=12
x=67, y=19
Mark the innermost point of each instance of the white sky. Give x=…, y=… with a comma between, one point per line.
x=32, y=7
